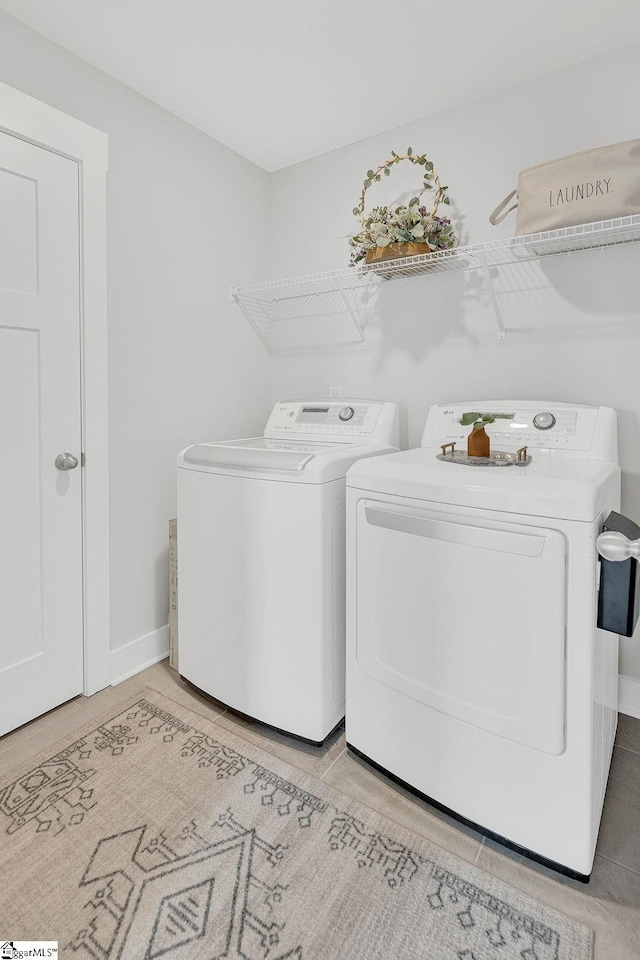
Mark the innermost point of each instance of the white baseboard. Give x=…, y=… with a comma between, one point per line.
x=629, y=696
x=133, y=657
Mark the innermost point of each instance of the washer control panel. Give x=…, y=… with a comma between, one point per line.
x=330, y=415
x=517, y=424
x=328, y=419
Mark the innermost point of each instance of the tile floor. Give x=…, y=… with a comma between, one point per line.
x=610, y=904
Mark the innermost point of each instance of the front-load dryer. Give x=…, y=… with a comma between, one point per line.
x=261, y=557
x=476, y=674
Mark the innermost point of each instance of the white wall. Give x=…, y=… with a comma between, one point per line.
x=185, y=220
x=575, y=330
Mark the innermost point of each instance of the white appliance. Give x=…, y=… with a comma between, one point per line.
x=476, y=674
x=261, y=555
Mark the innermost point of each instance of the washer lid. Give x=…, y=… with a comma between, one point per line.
x=549, y=487
x=258, y=453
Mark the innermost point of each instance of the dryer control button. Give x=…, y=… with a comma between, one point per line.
x=544, y=421
x=346, y=413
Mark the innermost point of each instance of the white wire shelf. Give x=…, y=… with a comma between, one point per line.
x=328, y=309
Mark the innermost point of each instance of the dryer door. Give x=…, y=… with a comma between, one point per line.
x=466, y=616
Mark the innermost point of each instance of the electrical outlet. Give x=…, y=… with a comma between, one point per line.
x=335, y=392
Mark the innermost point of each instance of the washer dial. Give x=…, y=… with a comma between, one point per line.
x=544, y=421
x=346, y=413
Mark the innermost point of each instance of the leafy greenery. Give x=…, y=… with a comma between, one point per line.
x=409, y=223
x=480, y=420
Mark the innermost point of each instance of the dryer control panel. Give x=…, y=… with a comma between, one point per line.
x=573, y=429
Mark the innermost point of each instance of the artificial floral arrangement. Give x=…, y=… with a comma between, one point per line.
x=478, y=443
x=480, y=420
x=407, y=230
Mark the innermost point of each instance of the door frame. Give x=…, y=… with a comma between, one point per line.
x=38, y=123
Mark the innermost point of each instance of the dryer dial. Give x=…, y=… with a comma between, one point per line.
x=346, y=413
x=544, y=421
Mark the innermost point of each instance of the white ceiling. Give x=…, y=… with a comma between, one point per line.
x=280, y=81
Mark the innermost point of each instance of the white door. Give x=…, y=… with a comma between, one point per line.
x=41, y=654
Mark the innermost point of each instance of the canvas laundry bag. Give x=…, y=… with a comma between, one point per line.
x=583, y=187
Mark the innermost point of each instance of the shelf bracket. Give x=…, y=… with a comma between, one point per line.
x=492, y=293
x=351, y=311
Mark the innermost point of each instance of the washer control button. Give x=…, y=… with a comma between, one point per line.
x=544, y=421
x=346, y=413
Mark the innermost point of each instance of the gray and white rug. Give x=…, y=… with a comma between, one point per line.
x=156, y=833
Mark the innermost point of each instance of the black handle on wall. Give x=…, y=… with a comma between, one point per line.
x=619, y=596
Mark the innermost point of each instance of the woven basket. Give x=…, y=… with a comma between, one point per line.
x=395, y=251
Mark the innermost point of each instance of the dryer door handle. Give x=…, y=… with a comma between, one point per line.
x=467, y=534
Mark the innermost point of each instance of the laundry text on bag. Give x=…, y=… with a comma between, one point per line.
x=580, y=191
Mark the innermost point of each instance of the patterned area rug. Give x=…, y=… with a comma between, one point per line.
x=156, y=833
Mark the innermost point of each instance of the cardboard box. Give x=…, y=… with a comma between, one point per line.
x=173, y=594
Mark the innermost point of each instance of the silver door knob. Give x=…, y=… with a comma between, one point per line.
x=613, y=545
x=66, y=461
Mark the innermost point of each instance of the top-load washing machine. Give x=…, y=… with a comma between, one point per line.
x=261, y=556
x=476, y=673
